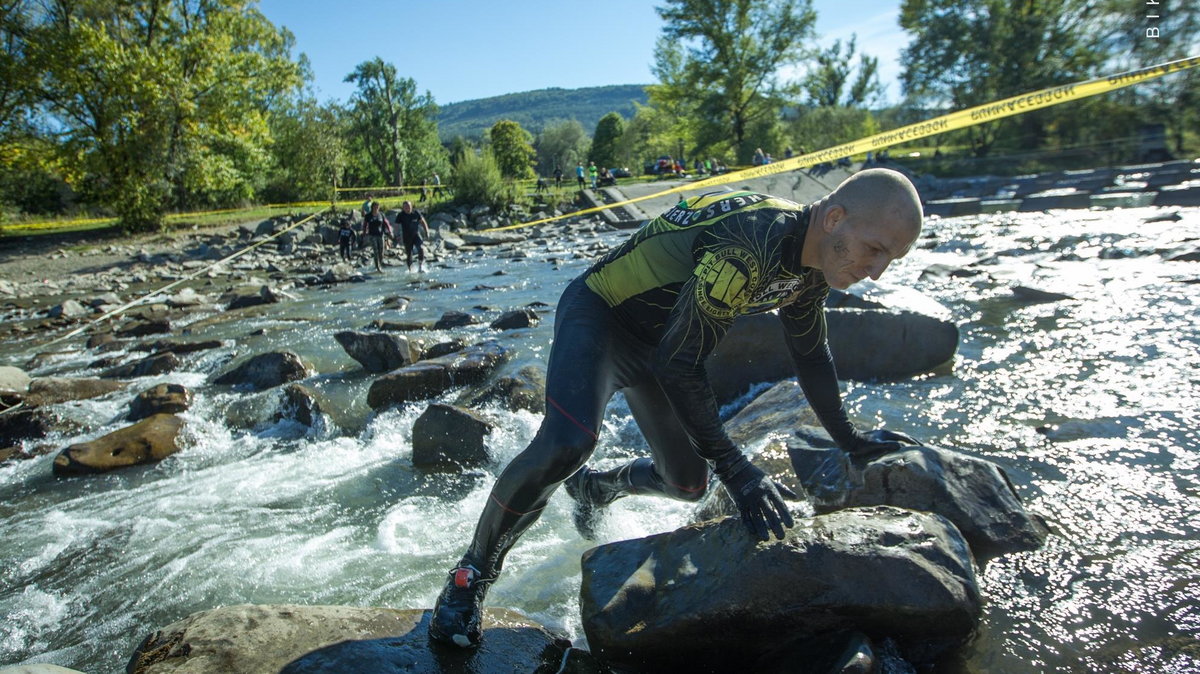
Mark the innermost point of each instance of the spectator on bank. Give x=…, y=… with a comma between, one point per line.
x=579, y=175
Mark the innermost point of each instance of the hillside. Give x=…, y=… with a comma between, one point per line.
x=533, y=110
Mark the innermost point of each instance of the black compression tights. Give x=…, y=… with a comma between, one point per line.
x=591, y=359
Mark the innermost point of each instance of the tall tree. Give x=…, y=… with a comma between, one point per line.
x=732, y=53
x=561, y=145
x=392, y=124
x=607, y=139
x=829, y=81
x=309, y=150
x=512, y=147
x=164, y=102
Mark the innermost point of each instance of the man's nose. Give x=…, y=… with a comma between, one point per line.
x=877, y=268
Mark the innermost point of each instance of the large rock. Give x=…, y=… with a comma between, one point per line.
x=434, y=376
x=299, y=404
x=13, y=379
x=523, y=390
x=378, y=352
x=866, y=344
x=54, y=390
x=251, y=639
x=517, y=318
x=454, y=319
x=265, y=370
x=973, y=493
x=160, y=399
x=709, y=597
x=490, y=238
x=150, y=440
x=26, y=424
x=446, y=437
x=159, y=363
x=250, y=297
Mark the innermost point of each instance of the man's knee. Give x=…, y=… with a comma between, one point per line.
x=686, y=492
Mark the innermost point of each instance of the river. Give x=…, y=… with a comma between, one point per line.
x=1090, y=403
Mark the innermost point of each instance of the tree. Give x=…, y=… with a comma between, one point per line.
x=732, y=53
x=607, y=139
x=392, y=125
x=161, y=103
x=512, y=148
x=826, y=83
x=309, y=150
x=562, y=145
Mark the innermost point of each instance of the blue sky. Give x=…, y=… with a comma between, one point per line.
x=465, y=49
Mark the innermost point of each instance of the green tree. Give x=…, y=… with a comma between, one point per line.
x=161, y=103
x=478, y=180
x=561, y=144
x=829, y=81
x=727, y=73
x=607, y=139
x=391, y=124
x=512, y=148
x=309, y=150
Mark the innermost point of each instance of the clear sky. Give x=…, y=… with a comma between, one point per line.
x=465, y=49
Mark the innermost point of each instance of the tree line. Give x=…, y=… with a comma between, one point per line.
x=141, y=107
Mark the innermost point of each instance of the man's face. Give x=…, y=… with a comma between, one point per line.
x=858, y=249
x=406, y=207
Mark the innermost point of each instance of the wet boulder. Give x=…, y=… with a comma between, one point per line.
x=264, y=371
x=160, y=399
x=145, y=326
x=710, y=597
x=379, y=352
x=293, y=639
x=13, y=379
x=446, y=437
x=68, y=309
x=454, y=319
x=436, y=375
x=29, y=423
x=299, y=404
x=524, y=389
x=517, y=318
x=147, y=441
x=973, y=493
x=54, y=390
x=250, y=296
x=159, y=363
x=866, y=344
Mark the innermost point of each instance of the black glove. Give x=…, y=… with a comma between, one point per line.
x=756, y=495
x=878, y=442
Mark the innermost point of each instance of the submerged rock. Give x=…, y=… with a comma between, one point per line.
x=710, y=597
x=454, y=319
x=300, y=405
x=160, y=399
x=523, y=390
x=54, y=390
x=251, y=639
x=265, y=371
x=446, y=437
x=159, y=363
x=517, y=318
x=150, y=440
x=378, y=352
x=430, y=377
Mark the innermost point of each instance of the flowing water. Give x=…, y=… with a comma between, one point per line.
x=1090, y=403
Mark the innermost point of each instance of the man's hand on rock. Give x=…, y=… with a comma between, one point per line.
x=759, y=498
x=876, y=443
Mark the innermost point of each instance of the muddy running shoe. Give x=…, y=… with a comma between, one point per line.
x=458, y=611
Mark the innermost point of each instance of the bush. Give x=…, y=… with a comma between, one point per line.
x=477, y=181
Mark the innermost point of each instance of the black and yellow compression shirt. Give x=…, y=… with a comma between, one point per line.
x=681, y=280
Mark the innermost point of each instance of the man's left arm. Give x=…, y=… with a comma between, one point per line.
x=806, y=334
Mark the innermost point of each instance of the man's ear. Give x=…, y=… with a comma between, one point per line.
x=833, y=215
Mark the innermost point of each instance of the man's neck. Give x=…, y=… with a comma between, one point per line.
x=812, y=234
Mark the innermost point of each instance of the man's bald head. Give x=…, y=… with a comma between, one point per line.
x=871, y=219
x=880, y=195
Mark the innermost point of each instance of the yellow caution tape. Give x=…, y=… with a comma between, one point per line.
x=956, y=120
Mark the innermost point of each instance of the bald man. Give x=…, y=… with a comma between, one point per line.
x=643, y=319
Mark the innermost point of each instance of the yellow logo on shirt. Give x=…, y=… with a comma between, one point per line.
x=724, y=280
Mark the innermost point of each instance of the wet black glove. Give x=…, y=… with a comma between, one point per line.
x=757, y=496
x=867, y=446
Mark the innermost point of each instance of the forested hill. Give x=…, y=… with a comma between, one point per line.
x=534, y=109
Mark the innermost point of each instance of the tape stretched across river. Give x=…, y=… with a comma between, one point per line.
x=962, y=119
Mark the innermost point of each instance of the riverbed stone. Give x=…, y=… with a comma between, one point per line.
x=446, y=437
x=26, y=424
x=250, y=296
x=264, y=371
x=299, y=404
x=524, y=389
x=517, y=318
x=160, y=399
x=13, y=379
x=710, y=597
x=159, y=363
x=147, y=441
x=40, y=668
x=436, y=375
x=54, y=390
x=144, y=326
x=293, y=639
x=378, y=351
x=454, y=319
